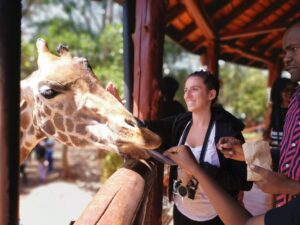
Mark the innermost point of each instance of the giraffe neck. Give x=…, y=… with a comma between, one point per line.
x=29, y=135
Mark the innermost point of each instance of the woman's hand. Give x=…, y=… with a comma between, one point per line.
x=111, y=88
x=231, y=148
x=183, y=157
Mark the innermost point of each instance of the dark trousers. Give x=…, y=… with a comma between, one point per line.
x=180, y=219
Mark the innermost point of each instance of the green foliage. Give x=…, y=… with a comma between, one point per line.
x=110, y=164
x=243, y=91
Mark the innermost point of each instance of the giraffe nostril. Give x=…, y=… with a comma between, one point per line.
x=131, y=122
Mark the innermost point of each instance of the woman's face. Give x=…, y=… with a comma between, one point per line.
x=196, y=94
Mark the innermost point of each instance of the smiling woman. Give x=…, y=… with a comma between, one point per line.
x=200, y=129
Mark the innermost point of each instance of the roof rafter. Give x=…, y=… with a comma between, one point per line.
x=252, y=31
x=285, y=17
x=267, y=12
x=197, y=11
x=174, y=12
x=245, y=53
x=215, y=6
x=182, y=34
x=236, y=13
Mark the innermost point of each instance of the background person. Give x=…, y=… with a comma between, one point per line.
x=280, y=98
x=168, y=106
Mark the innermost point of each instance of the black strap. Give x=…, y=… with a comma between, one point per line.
x=204, y=146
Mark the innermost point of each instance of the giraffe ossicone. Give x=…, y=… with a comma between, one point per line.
x=63, y=99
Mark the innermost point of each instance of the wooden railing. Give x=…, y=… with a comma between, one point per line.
x=131, y=196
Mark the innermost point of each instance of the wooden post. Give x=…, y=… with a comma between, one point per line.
x=275, y=70
x=10, y=39
x=148, y=42
x=211, y=58
x=128, y=29
x=148, y=53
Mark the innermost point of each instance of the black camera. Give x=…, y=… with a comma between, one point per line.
x=189, y=190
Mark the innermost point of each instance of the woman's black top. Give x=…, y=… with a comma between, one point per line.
x=232, y=174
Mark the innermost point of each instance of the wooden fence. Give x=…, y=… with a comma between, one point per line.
x=131, y=196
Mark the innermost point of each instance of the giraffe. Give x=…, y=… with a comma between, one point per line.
x=63, y=99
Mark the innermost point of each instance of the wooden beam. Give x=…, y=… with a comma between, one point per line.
x=215, y=6
x=267, y=12
x=283, y=19
x=198, y=44
x=233, y=15
x=276, y=41
x=198, y=13
x=251, y=31
x=174, y=12
x=245, y=53
x=181, y=35
x=10, y=54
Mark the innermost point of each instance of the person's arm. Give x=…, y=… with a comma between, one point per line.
x=230, y=212
x=276, y=183
x=231, y=148
x=272, y=182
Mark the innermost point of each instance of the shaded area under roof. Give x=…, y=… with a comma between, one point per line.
x=248, y=32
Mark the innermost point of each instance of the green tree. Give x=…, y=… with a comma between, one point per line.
x=243, y=91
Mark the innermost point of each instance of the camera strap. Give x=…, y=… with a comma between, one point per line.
x=206, y=138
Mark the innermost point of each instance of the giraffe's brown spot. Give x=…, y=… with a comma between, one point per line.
x=70, y=109
x=70, y=125
x=102, y=119
x=25, y=120
x=59, y=121
x=21, y=134
x=27, y=144
x=47, y=110
x=39, y=134
x=85, y=142
x=31, y=130
x=76, y=141
x=62, y=137
x=80, y=128
x=60, y=106
x=49, y=128
x=40, y=114
x=24, y=153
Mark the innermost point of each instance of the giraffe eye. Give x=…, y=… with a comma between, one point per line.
x=48, y=92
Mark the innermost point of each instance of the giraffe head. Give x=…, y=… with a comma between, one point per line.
x=63, y=99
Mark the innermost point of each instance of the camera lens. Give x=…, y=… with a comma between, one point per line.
x=182, y=190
